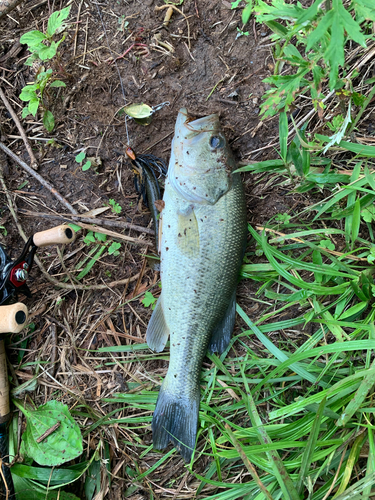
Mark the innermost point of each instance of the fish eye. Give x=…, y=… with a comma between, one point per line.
x=216, y=142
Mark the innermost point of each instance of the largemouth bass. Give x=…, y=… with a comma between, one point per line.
x=202, y=237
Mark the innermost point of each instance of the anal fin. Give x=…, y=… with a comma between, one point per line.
x=157, y=331
x=221, y=335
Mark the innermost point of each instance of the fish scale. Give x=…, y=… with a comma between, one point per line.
x=201, y=250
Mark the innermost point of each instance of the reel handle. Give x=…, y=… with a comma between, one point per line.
x=12, y=319
x=56, y=235
x=4, y=386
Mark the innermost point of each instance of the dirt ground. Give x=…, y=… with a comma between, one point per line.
x=201, y=61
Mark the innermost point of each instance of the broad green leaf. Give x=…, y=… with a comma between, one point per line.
x=57, y=83
x=48, y=52
x=80, y=157
x=56, y=20
x=64, y=443
x=86, y=166
x=246, y=13
x=101, y=237
x=33, y=38
x=277, y=28
x=139, y=111
x=46, y=475
x=33, y=106
x=74, y=227
x=25, y=112
x=113, y=249
x=28, y=93
x=148, y=299
x=48, y=121
x=89, y=238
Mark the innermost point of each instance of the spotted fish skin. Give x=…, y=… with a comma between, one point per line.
x=202, y=237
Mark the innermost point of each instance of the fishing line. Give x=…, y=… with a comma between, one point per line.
x=118, y=70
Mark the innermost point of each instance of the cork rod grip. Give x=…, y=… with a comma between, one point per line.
x=4, y=385
x=13, y=318
x=55, y=235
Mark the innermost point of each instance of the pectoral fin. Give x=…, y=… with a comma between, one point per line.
x=221, y=335
x=157, y=331
x=188, y=233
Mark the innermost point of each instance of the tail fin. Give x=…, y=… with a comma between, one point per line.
x=176, y=420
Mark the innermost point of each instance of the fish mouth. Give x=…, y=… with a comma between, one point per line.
x=188, y=126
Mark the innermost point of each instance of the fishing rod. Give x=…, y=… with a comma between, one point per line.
x=13, y=318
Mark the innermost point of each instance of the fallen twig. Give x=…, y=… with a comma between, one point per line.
x=112, y=234
x=91, y=220
x=21, y=130
x=167, y=6
x=37, y=176
x=7, y=6
x=48, y=432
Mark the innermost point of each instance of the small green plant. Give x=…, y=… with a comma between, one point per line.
x=41, y=45
x=283, y=218
x=79, y=159
x=43, y=48
x=149, y=300
x=241, y=33
x=114, y=248
x=311, y=41
x=33, y=94
x=116, y=207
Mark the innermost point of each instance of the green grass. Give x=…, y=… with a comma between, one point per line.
x=293, y=409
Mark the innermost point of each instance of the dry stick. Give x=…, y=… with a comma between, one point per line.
x=48, y=432
x=37, y=176
x=34, y=163
x=7, y=6
x=91, y=220
x=182, y=14
x=50, y=278
x=114, y=235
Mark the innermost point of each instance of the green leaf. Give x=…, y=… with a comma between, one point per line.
x=368, y=213
x=101, y=237
x=56, y=20
x=32, y=38
x=148, y=299
x=25, y=112
x=113, y=249
x=61, y=445
x=74, y=227
x=86, y=166
x=33, y=106
x=246, y=13
x=116, y=207
x=57, y=83
x=139, y=111
x=80, y=157
x=48, y=52
x=48, y=121
x=89, y=238
x=28, y=93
